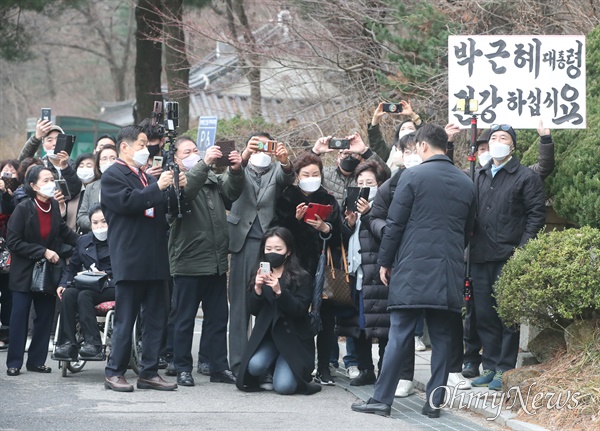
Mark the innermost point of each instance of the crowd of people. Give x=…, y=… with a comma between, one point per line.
x=168, y=241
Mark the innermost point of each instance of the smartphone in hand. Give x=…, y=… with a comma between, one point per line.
x=46, y=114
x=62, y=186
x=265, y=268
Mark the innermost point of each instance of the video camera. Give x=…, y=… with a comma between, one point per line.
x=167, y=121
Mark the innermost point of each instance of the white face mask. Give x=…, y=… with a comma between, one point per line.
x=310, y=185
x=50, y=154
x=190, y=161
x=499, y=151
x=412, y=161
x=372, y=193
x=101, y=234
x=85, y=174
x=260, y=159
x=48, y=189
x=105, y=166
x=484, y=158
x=140, y=157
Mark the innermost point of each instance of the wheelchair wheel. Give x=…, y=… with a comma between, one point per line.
x=76, y=367
x=136, y=346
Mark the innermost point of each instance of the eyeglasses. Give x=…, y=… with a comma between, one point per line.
x=503, y=127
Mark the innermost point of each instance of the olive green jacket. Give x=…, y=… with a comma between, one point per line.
x=199, y=242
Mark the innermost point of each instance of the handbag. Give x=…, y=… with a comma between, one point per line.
x=89, y=280
x=4, y=257
x=45, y=277
x=337, y=282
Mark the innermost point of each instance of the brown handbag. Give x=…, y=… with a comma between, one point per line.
x=336, y=288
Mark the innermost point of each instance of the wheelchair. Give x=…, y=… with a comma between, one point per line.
x=105, y=313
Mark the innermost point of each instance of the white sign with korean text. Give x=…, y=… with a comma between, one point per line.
x=518, y=80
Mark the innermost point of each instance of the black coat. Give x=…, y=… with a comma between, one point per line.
x=26, y=245
x=510, y=211
x=83, y=257
x=285, y=319
x=137, y=244
x=428, y=225
x=307, y=239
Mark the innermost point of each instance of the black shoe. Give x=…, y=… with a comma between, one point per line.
x=38, y=368
x=170, y=371
x=223, y=377
x=13, y=372
x=185, y=379
x=65, y=352
x=430, y=411
x=366, y=377
x=203, y=368
x=90, y=352
x=324, y=377
x=372, y=406
x=471, y=370
x=162, y=363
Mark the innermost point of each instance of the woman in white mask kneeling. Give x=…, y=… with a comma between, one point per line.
x=91, y=254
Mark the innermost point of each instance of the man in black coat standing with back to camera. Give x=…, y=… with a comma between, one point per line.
x=133, y=204
x=429, y=223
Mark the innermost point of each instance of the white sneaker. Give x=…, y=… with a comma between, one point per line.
x=404, y=389
x=458, y=381
x=419, y=345
x=353, y=371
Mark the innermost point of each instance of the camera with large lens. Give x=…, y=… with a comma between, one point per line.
x=339, y=144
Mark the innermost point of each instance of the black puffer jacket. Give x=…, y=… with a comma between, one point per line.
x=510, y=211
x=374, y=294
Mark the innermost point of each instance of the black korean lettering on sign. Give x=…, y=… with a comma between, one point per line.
x=561, y=60
x=467, y=55
x=516, y=101
x=469, y=93
x=570, y=113
x=500, y=52
x=529, y=56
x=551, y=100
x=550, y=58
x=534, y=101
x=488, y=115
x=574, y=61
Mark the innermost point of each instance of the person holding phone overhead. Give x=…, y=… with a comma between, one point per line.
x=59, y=164
x=309, y=234
x=281, y=342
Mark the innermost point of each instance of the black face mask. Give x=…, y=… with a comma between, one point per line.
x=153, y=150
x=275, y=259
x=349, y=164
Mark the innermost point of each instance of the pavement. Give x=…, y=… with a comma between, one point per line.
x=46, y=402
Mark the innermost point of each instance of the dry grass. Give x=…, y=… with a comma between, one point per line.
x=576, y=374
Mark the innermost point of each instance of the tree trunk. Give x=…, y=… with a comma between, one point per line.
x=177, y=64
x=148, y=61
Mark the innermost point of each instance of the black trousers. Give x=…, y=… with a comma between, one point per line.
x=470, y=335
x=188, y=293
x=149, y=300
x=83, y=302
x=500, y=343
x=326, y=337
x=401, y=348
x=5, y=300
x=456, y=350
x=364, y=354
x=42, y=327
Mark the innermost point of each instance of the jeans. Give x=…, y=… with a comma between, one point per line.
x=263, y=359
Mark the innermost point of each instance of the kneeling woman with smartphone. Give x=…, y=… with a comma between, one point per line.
x=281, y=346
